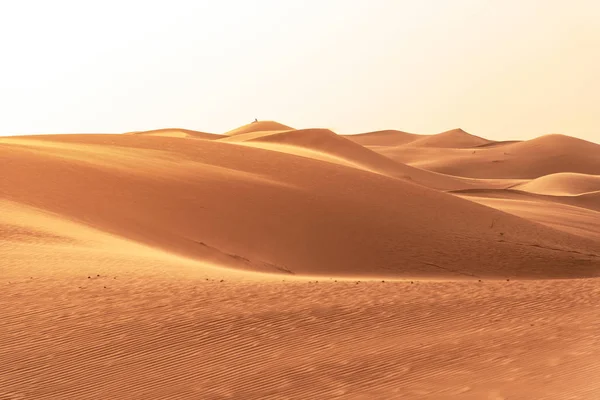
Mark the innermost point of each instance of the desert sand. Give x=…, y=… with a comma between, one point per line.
x=269, y=262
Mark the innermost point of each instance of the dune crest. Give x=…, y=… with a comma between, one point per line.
x=177, y=132
x=259, y=126
x=326, y=145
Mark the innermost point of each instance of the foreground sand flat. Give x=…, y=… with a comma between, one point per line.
x=275, y=263
x=185, y=337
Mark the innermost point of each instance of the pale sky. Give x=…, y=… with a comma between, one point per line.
x=501, y=69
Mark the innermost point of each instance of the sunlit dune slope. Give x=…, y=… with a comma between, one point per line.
x=384, y=138
x=498, y=143
x=530, y=159
x=177, y=132
x=275, y=211
x=562, y=184
x=578, y=215
x=36, y=242
x=327, y=142
x=259, y=126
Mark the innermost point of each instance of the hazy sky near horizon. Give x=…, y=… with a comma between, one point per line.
x=502, y=69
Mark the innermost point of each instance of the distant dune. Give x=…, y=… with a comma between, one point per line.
x=529, y=159
x=256, y=209
x=455, y=138
x=323, y=144
x=177, y=132
x=259, y=126
x=562, y=184
x=384, y=138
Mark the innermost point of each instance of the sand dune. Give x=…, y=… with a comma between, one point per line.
x=530, y=159
x=562, y=184
x=278, y=263
x=325, y=145
x=328, y=143
x=547, y=144
x=177, y=132
x=498, y=143
x=384, y=138
x=589, y=200
x=578, y=215
x=455, y=138
x=237, y=205
x=259, y=126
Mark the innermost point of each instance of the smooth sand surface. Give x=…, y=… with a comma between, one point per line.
x=274, y=263
x=178, y=132
x=570, y=214
x=563, y=184
x=384, y=138
x=323, y=144
x=545, y=155
x=259, y=126
x=454, y=139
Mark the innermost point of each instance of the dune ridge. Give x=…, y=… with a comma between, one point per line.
x=325, y=144
x=259, y=126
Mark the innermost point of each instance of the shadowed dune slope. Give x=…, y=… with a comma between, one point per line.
x=326, y=141
x=562, y=184
x=530, y=159
x=260, y=126
x=277, y=211
x=384, y=138
x=177, y=132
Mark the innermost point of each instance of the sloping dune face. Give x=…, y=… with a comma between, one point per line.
x=384, y=138
x=259, y=126
x=455, y=138
x=178, y=132
x=327, y=142
x=530, y=159
x=551, y=154
x=247, y=207
x=324, y=144
x=563, y=184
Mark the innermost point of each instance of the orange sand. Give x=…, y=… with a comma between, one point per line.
x=181, y=264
